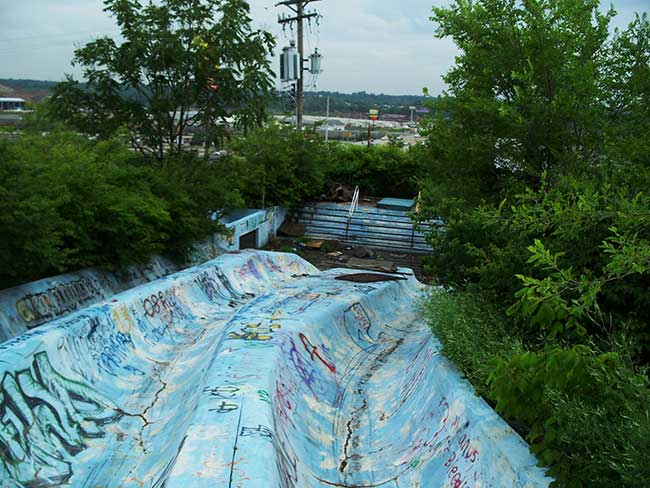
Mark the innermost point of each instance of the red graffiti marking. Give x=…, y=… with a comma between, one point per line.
x=282, y=404
x=313, y=353
x=457, y=469
x=443, y=403
x=163, y=305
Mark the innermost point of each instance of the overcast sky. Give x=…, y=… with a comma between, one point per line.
x=380, y=46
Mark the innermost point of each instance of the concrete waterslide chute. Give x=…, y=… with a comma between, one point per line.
x=254, y=370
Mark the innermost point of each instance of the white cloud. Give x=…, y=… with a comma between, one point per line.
x=373, y=45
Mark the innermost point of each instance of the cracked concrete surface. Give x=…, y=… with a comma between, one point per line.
x=254, y=370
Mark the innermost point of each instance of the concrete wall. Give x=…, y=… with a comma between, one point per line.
x=253, y=370
x=265, y=222
x=27, y=306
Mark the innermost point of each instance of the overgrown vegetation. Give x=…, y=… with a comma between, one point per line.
x=539, y=170
x=69, y=203
x=279, y=166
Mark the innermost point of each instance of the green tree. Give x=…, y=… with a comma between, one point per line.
x=69, y=204
x=540, y=172
x=627, y=94
x=277, y=166
x=180, y=63
x=524, y=95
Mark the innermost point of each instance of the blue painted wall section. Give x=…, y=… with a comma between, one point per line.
x=25, y=307
x=252, y=370
x=381, y=228
x=265, y=222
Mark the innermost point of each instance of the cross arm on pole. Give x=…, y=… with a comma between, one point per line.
x=289, y=3
x=294, y=19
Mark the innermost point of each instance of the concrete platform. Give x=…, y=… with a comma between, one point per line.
x=396, y=204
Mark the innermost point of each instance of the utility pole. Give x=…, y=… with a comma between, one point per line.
x=298, y=7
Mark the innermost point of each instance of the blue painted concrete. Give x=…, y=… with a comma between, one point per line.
x=26, y=307
x=402, y=204
x=386, y=229
x=244, y=221
x=254, y=370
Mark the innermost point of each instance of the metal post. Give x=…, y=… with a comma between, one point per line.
x=298, y=7
x=301, y=68
x=369, y=135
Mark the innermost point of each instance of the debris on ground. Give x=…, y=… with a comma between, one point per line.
x=340, y=193
x=369, y=277
x=373, y=265
x=328, y=254
x=314, y=244
x=363, y=252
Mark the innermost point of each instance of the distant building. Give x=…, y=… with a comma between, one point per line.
x=5, y=90
x=395, y=117
x=12, y=104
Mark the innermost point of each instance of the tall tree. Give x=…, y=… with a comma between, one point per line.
x=177, y=63
x=524, y=95
x=627, y=91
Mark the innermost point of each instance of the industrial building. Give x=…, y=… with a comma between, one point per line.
x=12, y=104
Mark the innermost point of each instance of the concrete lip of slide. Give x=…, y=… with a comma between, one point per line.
x=252, y=370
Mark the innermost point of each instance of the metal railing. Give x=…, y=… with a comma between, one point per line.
x=353, y=208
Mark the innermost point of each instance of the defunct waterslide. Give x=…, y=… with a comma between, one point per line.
x=254, y=370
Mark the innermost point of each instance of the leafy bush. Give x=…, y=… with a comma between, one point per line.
x=473, y=333
x=489, y=244
x=385, y=170
x=277, y=166
x=193, y=191
x=587, y=413
x=584, y=412
x=540, y=172
x=69, y=203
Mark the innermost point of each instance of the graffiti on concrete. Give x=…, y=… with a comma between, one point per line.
x=46, y=420
x=216, y=286
x=110, y=350
x=255, y=332
x=56, y=301
x=222, y=391
x=244, y=373
x=315, y=354
x=163, y=306
x=259, y=431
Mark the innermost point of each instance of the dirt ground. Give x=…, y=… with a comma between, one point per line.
x=330, y=254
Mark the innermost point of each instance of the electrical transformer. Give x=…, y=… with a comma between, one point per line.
x=289, y=70
x=315, y=62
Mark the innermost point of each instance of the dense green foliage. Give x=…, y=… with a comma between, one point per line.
x=583, y=410
x=188, y=62
x=69, y=203
x=387, y=170
x=279, y=166
x=539, y=170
